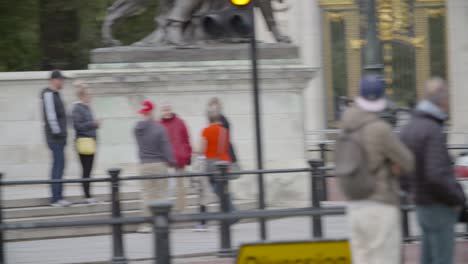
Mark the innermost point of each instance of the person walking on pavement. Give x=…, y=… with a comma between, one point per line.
x=215, y=102
x=155, y=153
x=55, y=126
x=214, y=146
x=369, y=160
x=433, y=185
x=85, y=132
x=180, y=142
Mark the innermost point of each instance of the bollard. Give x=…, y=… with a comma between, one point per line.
x=316, y=195
x=222, y=182
x=162, y=249
x=2, y=246
x=118, y=255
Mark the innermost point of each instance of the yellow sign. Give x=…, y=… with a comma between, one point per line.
x=240, y=2
x=320, y=252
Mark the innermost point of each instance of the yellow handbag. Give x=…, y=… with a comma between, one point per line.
x=86, y=146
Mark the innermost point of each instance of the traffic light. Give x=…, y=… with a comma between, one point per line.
x=234, y=21
x=240, y=2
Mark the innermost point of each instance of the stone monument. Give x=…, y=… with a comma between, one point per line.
x=181, y=64
x=179, y=21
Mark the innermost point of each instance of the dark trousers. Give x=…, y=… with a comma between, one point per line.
x=87, y=167
x=58, y=166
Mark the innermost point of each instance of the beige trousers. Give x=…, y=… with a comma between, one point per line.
x=153, y=190
x=179, y=191
x=375, y=233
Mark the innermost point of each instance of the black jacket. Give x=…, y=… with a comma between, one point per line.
x=55, y=117
x=433, y=181
x=83, y=121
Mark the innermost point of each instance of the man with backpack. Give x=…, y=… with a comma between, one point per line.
x=369, y=161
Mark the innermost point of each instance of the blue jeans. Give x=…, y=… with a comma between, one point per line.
x=58, y=166
x=437, y=224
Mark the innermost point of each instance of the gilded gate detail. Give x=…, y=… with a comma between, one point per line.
x=413, y=39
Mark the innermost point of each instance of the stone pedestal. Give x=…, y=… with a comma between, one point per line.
x=117, y=94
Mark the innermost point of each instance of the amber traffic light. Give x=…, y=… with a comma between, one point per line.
x=240, y=2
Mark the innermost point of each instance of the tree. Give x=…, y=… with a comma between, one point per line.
x=45, y=34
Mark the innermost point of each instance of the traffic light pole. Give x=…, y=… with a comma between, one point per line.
x=258, y=127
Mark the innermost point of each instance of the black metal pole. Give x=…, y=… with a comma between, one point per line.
x=162, y=245
x=405, y=217
x=118, y=255
x=223, y=194
x=316, y=194
x=2, y=248
x=258, y=126
x=373, y=49
x=323, y=152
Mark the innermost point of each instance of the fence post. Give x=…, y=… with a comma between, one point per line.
x=162, y=249
x=118, y=255
x=222, y=182
x=316, y=195
x=2, y=246
x=405, y=216
x=323, y=152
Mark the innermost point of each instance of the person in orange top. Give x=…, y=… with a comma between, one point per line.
x=216, y=141
x=214, y=146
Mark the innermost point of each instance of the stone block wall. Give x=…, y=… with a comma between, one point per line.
x=116, y=98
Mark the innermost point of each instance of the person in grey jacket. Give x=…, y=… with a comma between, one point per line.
x=85, y=127
x=155, y=153
x=55, y=126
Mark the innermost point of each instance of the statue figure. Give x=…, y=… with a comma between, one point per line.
x=178, y=20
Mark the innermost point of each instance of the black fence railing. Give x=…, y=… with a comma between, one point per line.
x=162, y=219
x=117, y=221
x=325, y=147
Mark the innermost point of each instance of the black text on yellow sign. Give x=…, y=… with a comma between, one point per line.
x=324, y=252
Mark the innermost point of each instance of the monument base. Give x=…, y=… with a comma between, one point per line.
x=215, y=55
x=117, y=94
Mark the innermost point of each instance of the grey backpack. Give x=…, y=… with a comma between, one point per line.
x=352, y=170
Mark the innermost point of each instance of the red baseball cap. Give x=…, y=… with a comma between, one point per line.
x=147, y=107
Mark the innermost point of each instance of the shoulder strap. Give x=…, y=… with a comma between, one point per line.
x=349, y=131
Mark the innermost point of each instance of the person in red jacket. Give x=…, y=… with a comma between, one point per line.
x=180, y=141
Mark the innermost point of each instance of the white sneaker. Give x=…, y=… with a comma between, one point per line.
x=61, y=203
x=92, y=201
x=144, y=229
x=200, y=228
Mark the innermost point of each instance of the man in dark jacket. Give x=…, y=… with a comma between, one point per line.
x=55, y=125
x=433, y=185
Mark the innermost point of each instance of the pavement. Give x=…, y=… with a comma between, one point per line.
x=187, y=246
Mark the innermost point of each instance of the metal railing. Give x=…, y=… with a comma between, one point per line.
x=162, y=218
x=224, y=216
x=326, y=146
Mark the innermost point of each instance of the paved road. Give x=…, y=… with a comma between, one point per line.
x=185, y=243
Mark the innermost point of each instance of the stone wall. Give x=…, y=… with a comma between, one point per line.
x=457, y=18
x=116, y=98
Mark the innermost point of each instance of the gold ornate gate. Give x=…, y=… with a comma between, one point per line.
x=413, y=45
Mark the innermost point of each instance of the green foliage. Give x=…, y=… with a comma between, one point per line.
x=139, y=26
x=40, y=34
x=19, y=31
